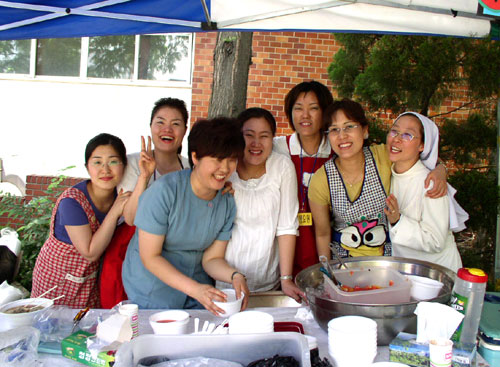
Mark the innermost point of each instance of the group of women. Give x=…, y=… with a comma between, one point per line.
x=291, y=199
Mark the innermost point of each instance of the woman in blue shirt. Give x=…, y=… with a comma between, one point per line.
x=184, y=225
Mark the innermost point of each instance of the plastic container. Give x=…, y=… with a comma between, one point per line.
x=467, y=297
x=395, y=288
x=489, y=351
x=131, y=310
x=243, y=348
x=232, y=305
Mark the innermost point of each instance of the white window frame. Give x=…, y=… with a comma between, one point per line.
x=84, y=79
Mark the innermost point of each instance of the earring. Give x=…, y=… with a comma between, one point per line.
x=366, y=136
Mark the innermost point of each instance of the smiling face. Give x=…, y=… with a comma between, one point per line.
x=307, y=115
x=105, y=167
x=402, y=152
x=348, y=142
x=167, y=129
x=211, y=173
x=258, y=141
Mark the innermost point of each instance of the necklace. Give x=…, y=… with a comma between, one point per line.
x=354, y=179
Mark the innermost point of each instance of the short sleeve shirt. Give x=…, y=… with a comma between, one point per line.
x=190, y=225
x=70, y=213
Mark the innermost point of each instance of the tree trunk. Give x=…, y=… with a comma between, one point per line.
x=232, y=57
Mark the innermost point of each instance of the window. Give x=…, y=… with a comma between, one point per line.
x=15, y=56
x=58, y=57
x=160, y=58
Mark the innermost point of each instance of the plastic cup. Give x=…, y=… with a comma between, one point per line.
x=169, y=322
x=440, y=352
x=423, y=288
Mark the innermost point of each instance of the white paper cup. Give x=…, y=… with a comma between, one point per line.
x=131, y=310
x=423, y=288
x=169, y=322
x=440, y=352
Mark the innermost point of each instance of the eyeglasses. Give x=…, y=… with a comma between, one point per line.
x=404, y=136
x=347, y=129
x=100, y=164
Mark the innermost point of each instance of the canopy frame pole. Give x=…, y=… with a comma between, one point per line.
x=86, y=10
x=336, y=3
x=496, y=284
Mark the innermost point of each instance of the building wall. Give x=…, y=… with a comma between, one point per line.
x=281, y=60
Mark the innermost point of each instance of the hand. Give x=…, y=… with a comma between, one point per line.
x=119, y=203
x=206, y=294
x=392, y=210
x=240, y=286
x=438, y=178
x=228, y=188
x=291, y=290
x=147, y=163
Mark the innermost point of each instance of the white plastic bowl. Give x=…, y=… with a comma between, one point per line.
x=10, y=321
x=174, y=322
x=423, y=288
x=232, y=305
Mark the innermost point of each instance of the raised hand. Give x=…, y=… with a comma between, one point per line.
x=147, y=164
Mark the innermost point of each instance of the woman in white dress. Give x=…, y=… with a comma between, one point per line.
x=420, y=227
x=263, y=239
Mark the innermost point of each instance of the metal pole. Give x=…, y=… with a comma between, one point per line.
x=497, y=249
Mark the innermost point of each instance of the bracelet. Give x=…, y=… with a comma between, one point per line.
x=286, y=277
x=237, y=272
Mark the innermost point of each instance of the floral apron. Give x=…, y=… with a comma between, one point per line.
x=60, y=264
x=360, y=226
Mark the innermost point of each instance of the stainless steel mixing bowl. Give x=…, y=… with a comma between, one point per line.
x=390, y=318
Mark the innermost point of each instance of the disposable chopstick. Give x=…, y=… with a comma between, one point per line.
x=44, y=293
x=61, y=296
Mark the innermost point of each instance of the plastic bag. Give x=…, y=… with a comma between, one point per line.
x=18, y=347
x=10, y=239
x=9, y=293
x=54, y=323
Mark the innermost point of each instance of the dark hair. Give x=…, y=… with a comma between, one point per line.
x=175, y=103
x=220, y=137
x=352, y=109
x=8, y=264
x=257, y=112
x=106, y=139
x=321, y=91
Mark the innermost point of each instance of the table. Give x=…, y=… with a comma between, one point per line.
x=311, y=327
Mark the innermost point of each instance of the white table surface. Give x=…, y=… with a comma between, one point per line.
x=311, y=327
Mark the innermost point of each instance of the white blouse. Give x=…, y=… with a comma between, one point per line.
x=266, y=207
x=423, y=231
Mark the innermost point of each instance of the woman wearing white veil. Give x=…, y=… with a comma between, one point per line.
x=420, y=227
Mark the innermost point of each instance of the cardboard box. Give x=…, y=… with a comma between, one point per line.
x=75, y=347
x=405, y=349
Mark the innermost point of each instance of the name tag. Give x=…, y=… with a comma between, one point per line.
x=305, y=219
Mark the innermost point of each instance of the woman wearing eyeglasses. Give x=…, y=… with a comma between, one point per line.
x=83, y=221
x=351, y=188
x=419, y=226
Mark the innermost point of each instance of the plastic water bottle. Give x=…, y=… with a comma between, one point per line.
x=467, y=297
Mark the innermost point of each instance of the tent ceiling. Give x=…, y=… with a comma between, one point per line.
x=52, y=18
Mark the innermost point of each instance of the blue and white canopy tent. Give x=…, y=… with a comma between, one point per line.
x=78, y=18
x=27, y=19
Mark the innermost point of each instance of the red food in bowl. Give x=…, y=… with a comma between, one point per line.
x=165, y=321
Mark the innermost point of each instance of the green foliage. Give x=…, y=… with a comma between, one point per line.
x=15, y=56
x=470, y=142
x=35, y=224
x=413, y=72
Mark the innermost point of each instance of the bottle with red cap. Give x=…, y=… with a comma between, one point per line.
x=467, y=297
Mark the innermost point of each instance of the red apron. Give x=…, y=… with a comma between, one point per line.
x=306, y=253
x=110, y=280
x=60, y=263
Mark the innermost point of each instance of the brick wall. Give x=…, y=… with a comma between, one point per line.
x=280, y=60
x=37, y=186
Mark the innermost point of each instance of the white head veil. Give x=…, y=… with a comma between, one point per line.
x=429, y=157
